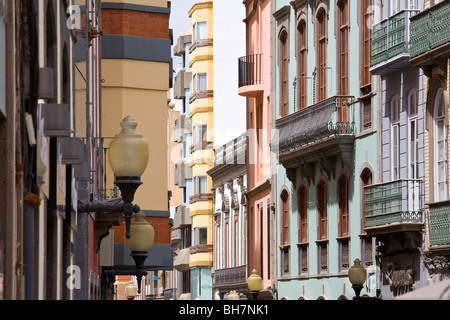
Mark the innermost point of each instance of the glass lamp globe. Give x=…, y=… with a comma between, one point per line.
x=131, y=290
x=142, y=234
x=254, y=282
x=128, y=152
x=357, y=274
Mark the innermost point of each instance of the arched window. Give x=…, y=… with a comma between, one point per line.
x=366, y=180
x=366, y=35
x=440, y=147
x=284, y=73
x=322, y=202
x=303, y=215
x=302, y=65
x=284, y=217
x=343, y=191
x=322, y=54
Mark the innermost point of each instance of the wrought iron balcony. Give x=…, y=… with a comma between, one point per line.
x=390, y=41
x=231, y=276
x=328, y=126
x=439, y=223
x=430, y=30
x=394, y=206
x=250, y=79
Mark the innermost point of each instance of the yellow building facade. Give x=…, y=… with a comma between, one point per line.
x=201, y=111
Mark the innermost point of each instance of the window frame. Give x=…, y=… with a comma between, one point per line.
x=413, y=145
x=366, y=40
x=197, y=31
x=322, y=53
x=284, y=72
x=302, y=64
x=344, y=210
x=436, y=117
x=395, y=136
x=285, y=207
x=303, y=215
x=322, y=210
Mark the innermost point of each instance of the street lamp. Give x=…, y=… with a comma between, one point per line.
x=254, y=283
x=233, y=295
x=128, y=155
x=131, y=291
x=357, y=275
x=140, y=243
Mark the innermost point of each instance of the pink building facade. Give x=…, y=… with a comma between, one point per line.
x=254, y=84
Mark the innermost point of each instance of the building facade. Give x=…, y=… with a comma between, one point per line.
x=182, y=223
x=429, y=48
x=324, y=115
x=201, y=111
x=255, y=85
x=394, y=208
x=44, y=152
x=229, y=176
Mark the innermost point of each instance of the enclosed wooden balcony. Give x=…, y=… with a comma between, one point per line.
x=439, y=225
x=390, y=43
x=430, y=35
x=395, y=206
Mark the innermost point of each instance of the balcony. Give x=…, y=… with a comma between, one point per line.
x=250, y=80
x=231, y=276
x=181, y=217
x=183, y=126
x=318, y=132
x=182, y=172
x=390, y=43
x=430, y=35
x=182, y=82
x=439, y=225
x=395, y=206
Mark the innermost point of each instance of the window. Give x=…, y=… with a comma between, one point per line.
x=322, y=54
x=285, y=217
x=199, y=82
x=440, y=147
x=394, y=7
x=303, y=215
x=395, y=136
x=366, y=114
x=284, y=74
x=302, y=65
x=366, y=35
x=343, y=57
x=343, y=47
x=343, y=206
x=413, y=103
x=366, y=180
x=322, y=210
x=200, y=31
x=201, y=185
x=201, y=236
x=200, y=134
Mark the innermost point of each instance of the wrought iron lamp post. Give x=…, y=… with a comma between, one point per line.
x=128, y=155
x=140, y=242
x=254, y=283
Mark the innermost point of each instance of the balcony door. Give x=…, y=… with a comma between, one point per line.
x=440, y=148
